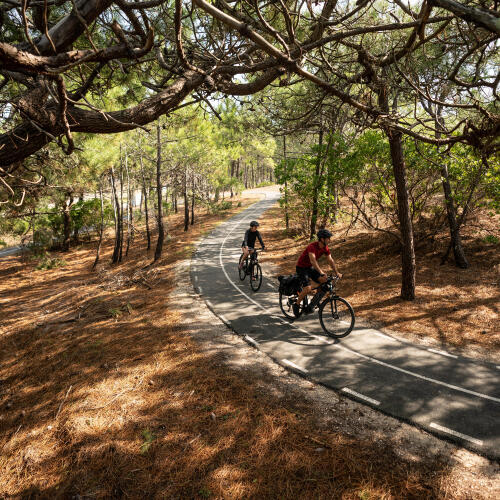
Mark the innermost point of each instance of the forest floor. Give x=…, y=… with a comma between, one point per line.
x=454, y=308
x=122, y=383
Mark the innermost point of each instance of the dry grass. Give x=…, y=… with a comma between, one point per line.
x=103, y=394
x=458, y=308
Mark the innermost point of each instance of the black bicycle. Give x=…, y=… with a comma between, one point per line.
x=336, y=315
x=251, y=267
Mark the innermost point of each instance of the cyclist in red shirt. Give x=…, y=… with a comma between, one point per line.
x=308, y=268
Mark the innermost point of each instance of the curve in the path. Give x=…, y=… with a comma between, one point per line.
x=449, y=395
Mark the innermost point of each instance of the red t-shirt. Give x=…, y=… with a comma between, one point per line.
x=305, y=261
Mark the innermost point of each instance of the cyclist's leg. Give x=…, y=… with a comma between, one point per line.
x=306, y=283
x=305, y=290
x=245, y=255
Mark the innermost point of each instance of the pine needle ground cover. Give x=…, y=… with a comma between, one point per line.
x=104, y=394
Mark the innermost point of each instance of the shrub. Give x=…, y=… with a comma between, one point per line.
x=225, y=205
x=20, y=227
x=491, y=239
x=216, y=208
x=48, y=262
x=265, y=183
x=86, y=214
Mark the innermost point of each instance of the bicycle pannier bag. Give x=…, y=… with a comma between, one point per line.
x=289, y=284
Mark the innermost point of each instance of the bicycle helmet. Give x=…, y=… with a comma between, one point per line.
x=323, y=233
x=254, y=223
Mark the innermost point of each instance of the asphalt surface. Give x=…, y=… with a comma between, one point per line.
x=454, y=397
x=10, y=251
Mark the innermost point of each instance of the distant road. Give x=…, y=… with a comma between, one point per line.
x=10, y=251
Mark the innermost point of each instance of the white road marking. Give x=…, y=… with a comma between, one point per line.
x=200, y=290
x=355, y=353
x=294, y=366
x=380, y=334
x=209, y=304
x=196, y=279
x=250, y=340
x=443, y=353
x=456, y=434
x=360, y=396
x=223, y=318
x=279, y=319
x=271, y=285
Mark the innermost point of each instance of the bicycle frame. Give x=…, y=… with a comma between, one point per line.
x=330, y=291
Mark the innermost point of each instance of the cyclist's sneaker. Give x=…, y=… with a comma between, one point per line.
x=308, y=309
x=296, y=309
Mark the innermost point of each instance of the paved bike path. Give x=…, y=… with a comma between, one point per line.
x=454, y=397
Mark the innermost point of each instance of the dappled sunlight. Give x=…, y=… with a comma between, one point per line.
x=104, y=394
x=456, y=307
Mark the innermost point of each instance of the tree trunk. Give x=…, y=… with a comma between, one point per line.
x=161, y=233
x=121, y=208
x=455, y=239
x=287, y=221
x=101, y=229
x=232, y=175
x=408, y=265
x=186, y=204
x=76, y=237
x=68, y=202
x=117, y=216
x=130, y=211
x=145, y=197
x=451, y=211
x=314, y=212
x=192, y=203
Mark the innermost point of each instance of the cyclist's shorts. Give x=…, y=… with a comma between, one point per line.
x=243, y=244
x=306, y=274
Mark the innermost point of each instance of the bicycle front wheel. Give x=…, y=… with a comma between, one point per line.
x=336, y=317
x=256, y=277
x=242, y=268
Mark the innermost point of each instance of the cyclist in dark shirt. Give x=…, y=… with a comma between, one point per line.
x=248, y=244
x=308, y=268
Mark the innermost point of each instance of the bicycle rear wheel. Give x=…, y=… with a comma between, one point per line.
x=242, y=270
x=256, y=277
x=336, y=317
x=286, y=302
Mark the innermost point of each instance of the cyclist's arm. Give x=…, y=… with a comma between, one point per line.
x=314, y=263
x=245, y=239
x=333, y=265
x=260, y=240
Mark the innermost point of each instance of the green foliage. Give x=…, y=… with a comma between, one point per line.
x=490, y=238
x=302, y=180
x=48, y=262
x=205, y=492
x=2, y=243
x=148, y=437
x=87, y=214
x=19, y=227
x=265, y=183
x=217, y=207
